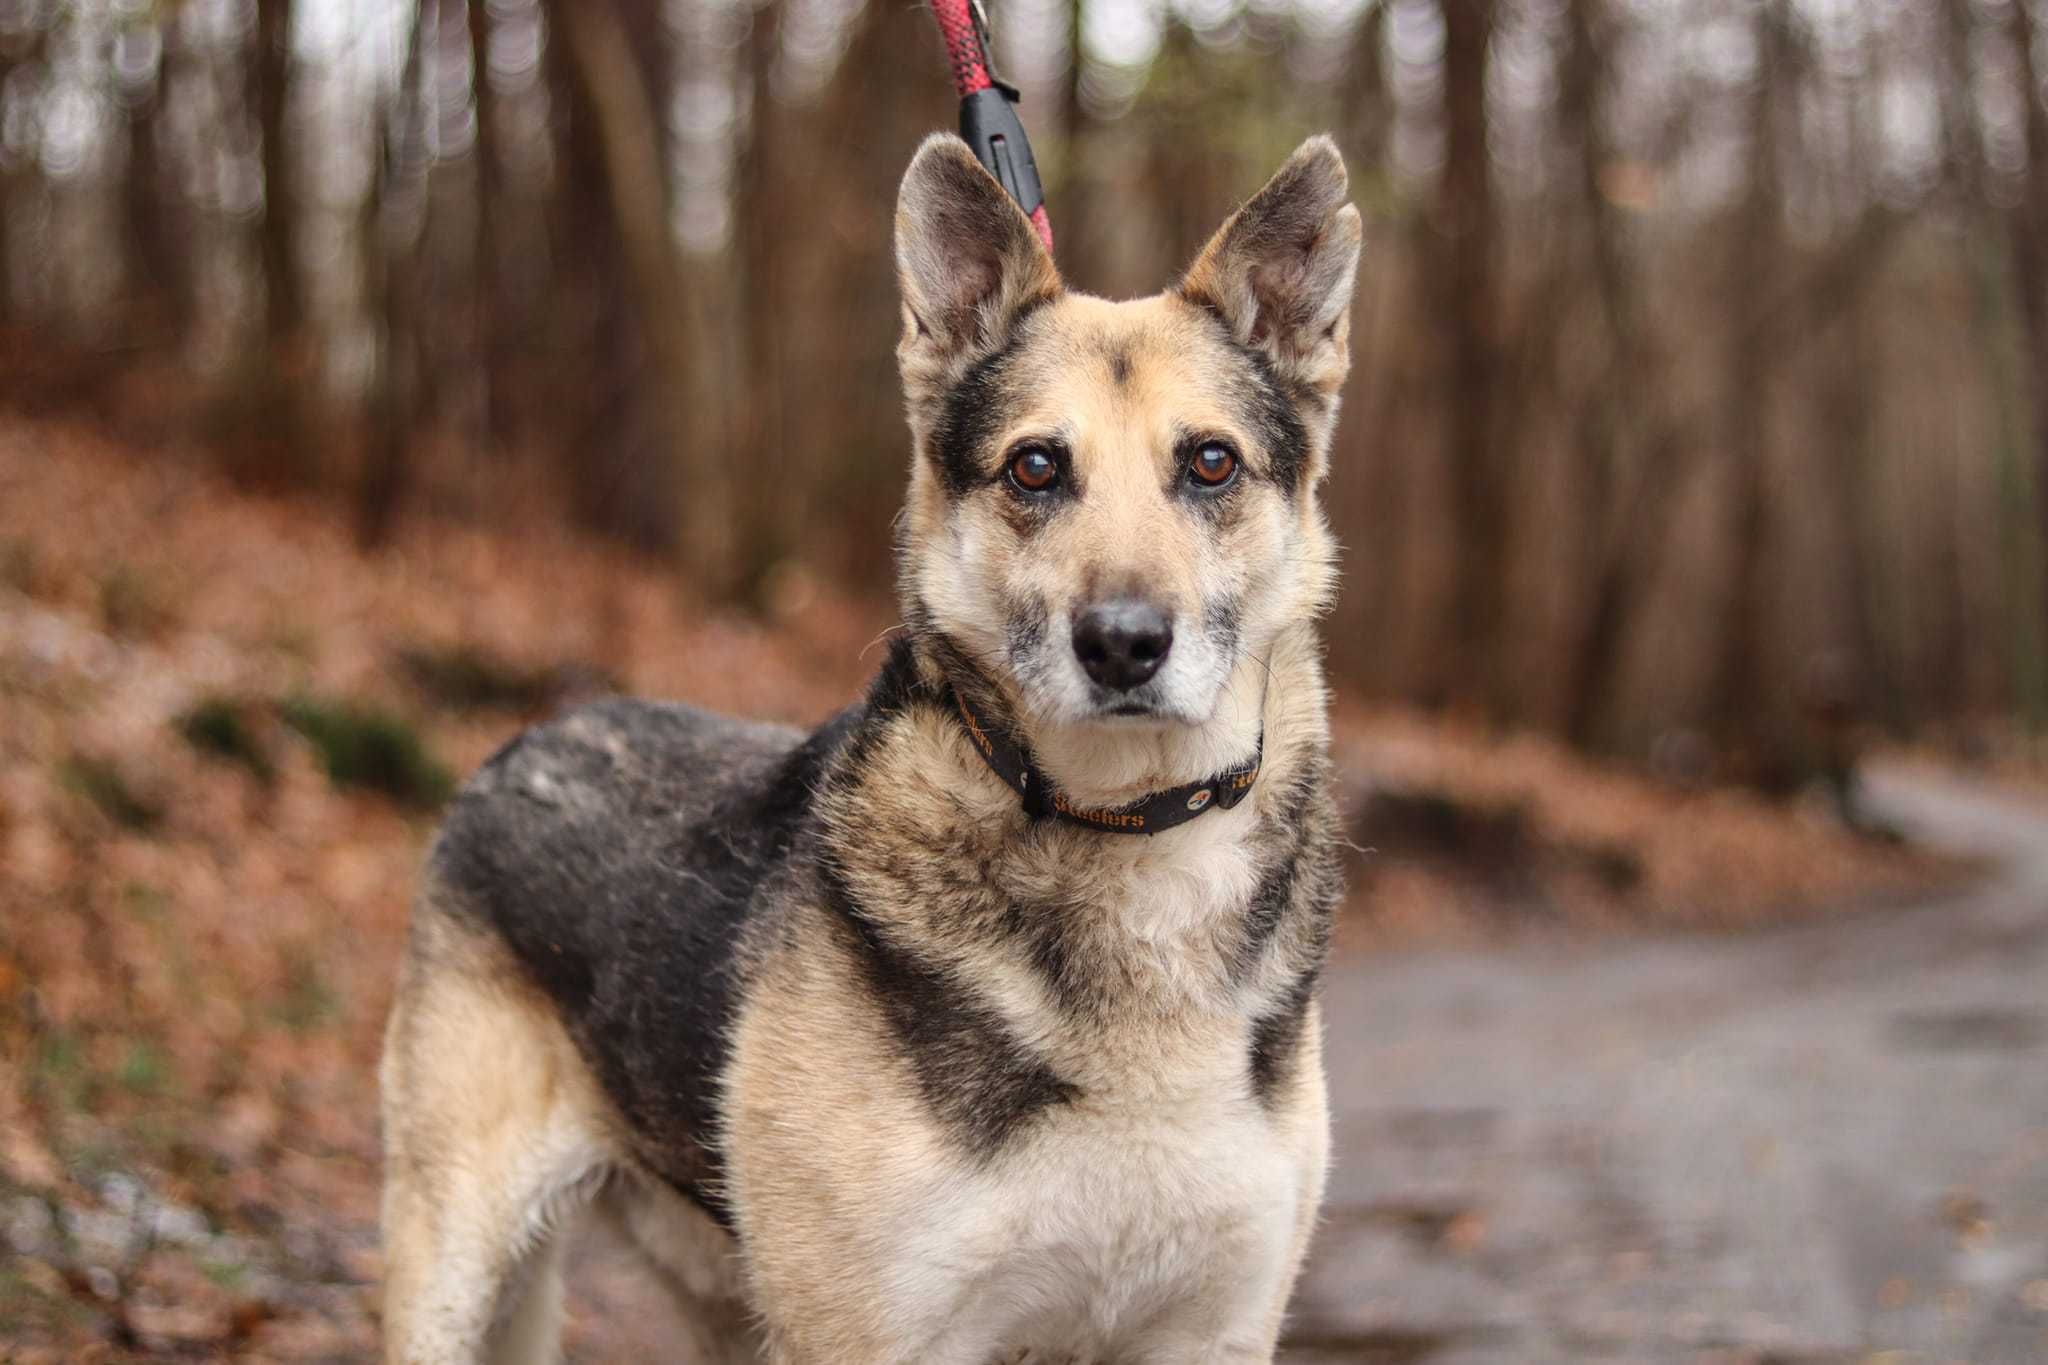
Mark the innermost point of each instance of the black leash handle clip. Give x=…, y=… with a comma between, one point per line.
x=989, y=124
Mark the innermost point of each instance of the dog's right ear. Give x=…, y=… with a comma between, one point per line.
x=967, y=259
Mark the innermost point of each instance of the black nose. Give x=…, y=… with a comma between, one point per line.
x=1122, y=643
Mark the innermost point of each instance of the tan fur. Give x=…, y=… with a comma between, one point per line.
x=1124, y=1027
x=496, y=1136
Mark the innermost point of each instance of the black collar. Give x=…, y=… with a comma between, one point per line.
x=1149, y=815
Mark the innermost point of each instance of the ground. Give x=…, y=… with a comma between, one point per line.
x=1575, y=1010
x=1826, y=1142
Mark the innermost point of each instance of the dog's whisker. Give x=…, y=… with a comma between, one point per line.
x=886, y=633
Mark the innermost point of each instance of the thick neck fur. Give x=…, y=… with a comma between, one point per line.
x=1076, y=936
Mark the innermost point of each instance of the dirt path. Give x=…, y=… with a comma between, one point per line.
x=1817, y=1144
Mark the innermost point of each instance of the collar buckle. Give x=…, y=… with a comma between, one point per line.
x=1232, y=787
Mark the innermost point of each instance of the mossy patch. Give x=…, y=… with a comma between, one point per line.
x=110, y=791
x=308, y=1002
x=468, y=677
x=225, y=728
x=363, y=745
x=144, y=1069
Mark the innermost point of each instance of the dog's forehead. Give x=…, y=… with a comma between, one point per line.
x=1158, y=349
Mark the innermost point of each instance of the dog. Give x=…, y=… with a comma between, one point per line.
x=980, y=1024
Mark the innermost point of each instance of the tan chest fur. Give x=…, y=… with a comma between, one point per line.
x=1129, y=1222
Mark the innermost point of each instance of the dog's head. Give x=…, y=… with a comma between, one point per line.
x=1113, y=506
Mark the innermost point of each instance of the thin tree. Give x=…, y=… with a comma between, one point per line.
x=1740, y=701
x=393, y=215
x=1459, y=257
x=2029, y=238
x=613, y=103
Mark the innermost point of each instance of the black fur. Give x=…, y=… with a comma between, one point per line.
x=1221, y=620
x=1025, y=631
x=1120, y=366
x=975, y=1076
x=1276, y=1038
x=1269, y=904
x=967, y=422
x=895, y=687
x=1049, y=941
x=1270, y=407
x=617, y=851
x=1299, y=881
x=1276, y=418
x=971, y=410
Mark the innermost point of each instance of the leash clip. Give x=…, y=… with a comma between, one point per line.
x=989, y=124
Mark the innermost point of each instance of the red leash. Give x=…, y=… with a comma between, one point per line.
x=988, y=114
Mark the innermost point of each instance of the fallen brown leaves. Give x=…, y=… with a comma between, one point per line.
x=1466, y=834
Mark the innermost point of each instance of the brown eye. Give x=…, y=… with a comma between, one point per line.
x=1034, y=470
x=1214, y=465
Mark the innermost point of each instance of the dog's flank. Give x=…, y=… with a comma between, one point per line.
x=875, y=1060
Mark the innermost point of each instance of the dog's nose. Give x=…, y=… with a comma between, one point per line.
x=1122, y=643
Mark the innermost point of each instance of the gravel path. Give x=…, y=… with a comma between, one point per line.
x=1818, y=1144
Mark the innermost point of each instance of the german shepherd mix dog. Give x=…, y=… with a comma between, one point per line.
x=979, y=1025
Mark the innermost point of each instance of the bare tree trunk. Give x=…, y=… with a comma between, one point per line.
x=157, y=263
x=611, y=93
x=1947, y=688
x=867, y=120
x=1994, y=262
x=764, y=499
x=1853, y=414
x=1461, y=264
x=488, y=285
x=259, y=412
x=271, y=71
x=1074, y=224
x=2029, y=237
x=1365, y=108
x=14, y=50
x=392, y=229
x=1741, y=704
x=1605, y=426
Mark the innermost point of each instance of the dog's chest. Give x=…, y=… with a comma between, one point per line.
x=1108, y=1227
x=1165, y=1186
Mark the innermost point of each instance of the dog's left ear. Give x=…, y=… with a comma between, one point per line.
x=1279, y=273
x=968, y=261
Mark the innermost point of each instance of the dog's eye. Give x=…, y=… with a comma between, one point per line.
x=1214, y=465
x=1034, y=470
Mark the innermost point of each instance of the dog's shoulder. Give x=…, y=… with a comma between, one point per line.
x=620, y=852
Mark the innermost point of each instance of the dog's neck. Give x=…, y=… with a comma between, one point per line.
x=925, y=841
x=1105, y=766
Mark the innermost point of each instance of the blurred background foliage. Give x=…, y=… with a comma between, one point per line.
x=1699, y=411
